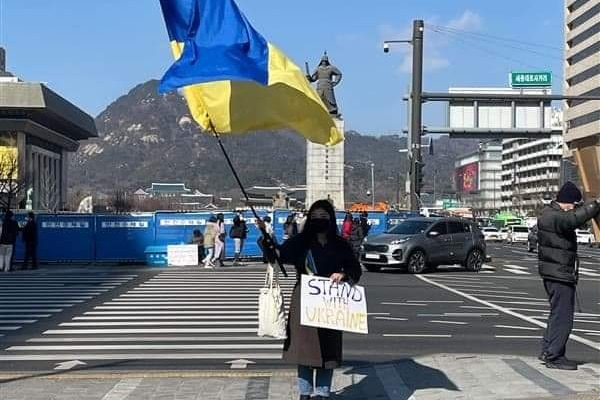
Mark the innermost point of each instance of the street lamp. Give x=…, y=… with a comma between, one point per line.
x=373, y=185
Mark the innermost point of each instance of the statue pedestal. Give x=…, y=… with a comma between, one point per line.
x=325, y=172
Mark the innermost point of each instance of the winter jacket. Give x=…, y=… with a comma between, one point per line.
x=10, y=230
x=346, y=229
x=210, y=234
x=557, y=240
x=239, y=230
x=356, y=238
x=366, y=227
x=30, y=233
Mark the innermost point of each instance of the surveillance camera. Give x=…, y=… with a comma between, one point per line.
x=386, y=48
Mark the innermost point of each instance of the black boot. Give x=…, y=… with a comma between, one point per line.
x=543, y=357
x=562, y=363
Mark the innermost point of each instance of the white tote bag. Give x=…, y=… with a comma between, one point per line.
x=271, y=310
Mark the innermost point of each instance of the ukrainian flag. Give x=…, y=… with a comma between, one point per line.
x=234, y=80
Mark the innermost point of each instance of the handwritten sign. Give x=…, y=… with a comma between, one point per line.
x=182, y=255
x=325, y=304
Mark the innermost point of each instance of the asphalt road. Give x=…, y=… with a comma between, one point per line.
x=117, y=319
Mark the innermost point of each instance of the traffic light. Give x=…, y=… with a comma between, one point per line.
x=420, y=175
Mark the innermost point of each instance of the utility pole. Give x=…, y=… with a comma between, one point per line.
x=373, y=186
x=416, y=113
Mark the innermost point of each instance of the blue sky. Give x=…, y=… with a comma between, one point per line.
x=95, y=51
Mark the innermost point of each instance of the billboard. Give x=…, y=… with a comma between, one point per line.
x=467, y=178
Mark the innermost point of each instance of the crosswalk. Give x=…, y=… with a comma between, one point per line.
x=26, y=298
x=177, y=314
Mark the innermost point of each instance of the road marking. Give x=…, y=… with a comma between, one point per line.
x=506, y=297
x=477, y=308
x=154, y=339
x=141, y=356
x=529, y=309
x=512, y=266
x=419, y=335
x=449, y=322
x=436, y=301
x=392, y=318
x=378, y=313
x=586, y=321
x=149, y=331
x=517, y=327
x=26, y=315
x=162, y=317
x=496, y=291
x=526, y=303
x=460, y=315
x=404, y=304
x=592, y=334
x=150, y=347
x=122, y=389
x=550, y=385
x=180, y=312
x=505, y=310
x=161, y=323
x=586, y=331
x=478, y=287
x=392, y=383
x=516, y=337
x=9, y=328
x=517, y=271
x=17, y=321
x=182, y=307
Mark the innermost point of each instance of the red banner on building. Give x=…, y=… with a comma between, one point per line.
x=467, y=178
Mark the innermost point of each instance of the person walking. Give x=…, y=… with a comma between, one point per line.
x=8, y=238
x=219, y=256
x=210, y=235
x=321, y=251
x=30, y=238
x=198, y=240
x=356, y=237
x=290, y=227
x=364, y=223
x=558, y=266
x=269, y=229
x=239, y=233
x=347, y=226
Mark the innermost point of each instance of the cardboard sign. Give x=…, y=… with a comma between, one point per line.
x=338, y=306
x=182, y=255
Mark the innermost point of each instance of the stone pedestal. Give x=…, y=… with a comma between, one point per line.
x=325, y=172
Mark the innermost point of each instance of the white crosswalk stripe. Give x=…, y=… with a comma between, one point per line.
x=26, y=298
x=182, y=314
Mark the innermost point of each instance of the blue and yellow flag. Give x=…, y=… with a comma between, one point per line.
x=233, y=79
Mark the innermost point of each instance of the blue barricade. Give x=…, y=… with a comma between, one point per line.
x=394, y=218
x=377, y=220
x=123, y=238
x=66, y=237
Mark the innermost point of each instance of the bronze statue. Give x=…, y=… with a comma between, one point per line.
x=327, y=77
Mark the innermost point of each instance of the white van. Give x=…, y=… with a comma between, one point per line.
x=517, y=234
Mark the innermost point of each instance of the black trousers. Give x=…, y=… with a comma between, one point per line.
x=560, y=322
x=30, y=254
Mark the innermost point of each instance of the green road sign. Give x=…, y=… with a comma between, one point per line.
x=449, y=203
x=530, y=79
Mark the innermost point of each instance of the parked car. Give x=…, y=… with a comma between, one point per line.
x=491, y=233
x=585, y=236
x=503, y=234
x=517, y=234
x=419, y=244
x=532, y=240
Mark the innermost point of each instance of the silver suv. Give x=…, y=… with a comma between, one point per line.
x=418, y=244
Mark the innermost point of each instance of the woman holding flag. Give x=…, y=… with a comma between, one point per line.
x=317, y=250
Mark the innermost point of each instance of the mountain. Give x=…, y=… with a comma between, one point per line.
x=147, y=137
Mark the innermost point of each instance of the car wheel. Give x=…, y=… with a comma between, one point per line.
x=372, y=268
x=474, y=260
x=416, y=262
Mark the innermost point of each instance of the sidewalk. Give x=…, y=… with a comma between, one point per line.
x=443, y=377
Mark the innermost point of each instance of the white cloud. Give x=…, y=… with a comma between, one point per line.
x=434, y=44
x=468, y=21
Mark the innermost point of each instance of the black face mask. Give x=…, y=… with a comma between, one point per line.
x=320, y=225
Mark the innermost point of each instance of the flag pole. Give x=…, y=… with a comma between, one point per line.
x=270, y=242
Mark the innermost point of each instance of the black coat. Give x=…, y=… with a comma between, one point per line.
x=557, y=240
x=30, y=233
x=10, y=230
x=305, y=345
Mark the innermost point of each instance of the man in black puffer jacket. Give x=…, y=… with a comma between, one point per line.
x=558, y=266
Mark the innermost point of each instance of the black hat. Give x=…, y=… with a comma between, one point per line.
x=569, y=194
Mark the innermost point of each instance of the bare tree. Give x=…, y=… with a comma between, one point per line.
x=12, y=186
x=119, y=202
x=48, y=191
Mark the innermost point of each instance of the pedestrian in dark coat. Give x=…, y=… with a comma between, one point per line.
x=364, y=223
x=316, y=349
x=30, y=238
x=558, y=266
x=356, y=237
